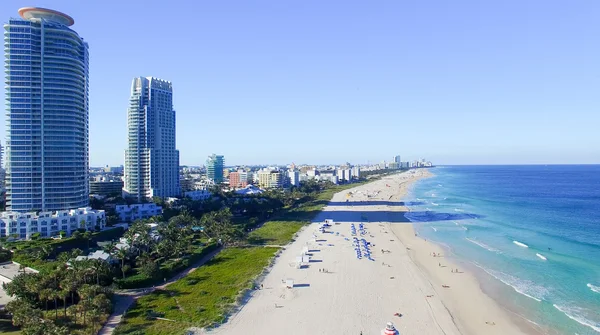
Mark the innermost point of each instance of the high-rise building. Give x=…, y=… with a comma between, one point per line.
x=46, y=67
x=214, y=168
x=151, y=157
x=397, y=160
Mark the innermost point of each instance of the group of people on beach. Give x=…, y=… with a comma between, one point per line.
x=324, y=270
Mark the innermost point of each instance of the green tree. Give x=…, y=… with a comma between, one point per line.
x=87, y=236
x=122, y=255
x=23, y=313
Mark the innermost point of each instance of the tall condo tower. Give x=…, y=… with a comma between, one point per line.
x=151, y=160
x=214, y=168
x=46, y=71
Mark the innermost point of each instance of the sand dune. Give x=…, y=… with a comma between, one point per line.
x=361, y=295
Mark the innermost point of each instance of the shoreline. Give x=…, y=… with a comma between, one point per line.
x=335, y=292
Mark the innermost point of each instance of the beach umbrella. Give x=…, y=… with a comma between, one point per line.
x=390, y=330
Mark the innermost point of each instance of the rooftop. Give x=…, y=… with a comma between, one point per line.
x=37, y=13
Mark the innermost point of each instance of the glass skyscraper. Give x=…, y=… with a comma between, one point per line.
x=151, y=157
x=214, y=168
x=46, y=67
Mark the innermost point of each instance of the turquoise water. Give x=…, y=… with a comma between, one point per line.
x=534, y=229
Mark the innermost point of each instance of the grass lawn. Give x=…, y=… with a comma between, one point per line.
x=200, y=299
x=275, y=232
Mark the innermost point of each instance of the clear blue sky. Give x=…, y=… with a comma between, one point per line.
x=457, y=82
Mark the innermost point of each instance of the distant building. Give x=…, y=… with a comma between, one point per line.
x=356, y=172
x=270, y=179
x=198, y=195
x=249, y=190
x=151, y=157
x=130, y=213
x=397, y=160
x=48, y=224
x=238, y=179
x=214, y=168
x=393, y=166
x=186, y=184
x=101, y=185
x=294, y=178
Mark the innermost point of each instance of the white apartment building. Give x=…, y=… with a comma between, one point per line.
x=130, y=213
x=50, y=223
x=356, y=172
x=151, y=157
x=198, y=195
x=294, y=177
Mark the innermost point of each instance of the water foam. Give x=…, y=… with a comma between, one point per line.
x=574, y=313
x=433, y=203
x=483, y=245
x=433, y=228
x=458, y=210
x=594, y=288
x=521, y=244
x=465, y=228
x=521, y=286
x=542, y=256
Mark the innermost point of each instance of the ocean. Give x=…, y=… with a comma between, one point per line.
x=530, y=233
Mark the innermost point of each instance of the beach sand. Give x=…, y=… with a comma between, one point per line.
x=336, y=293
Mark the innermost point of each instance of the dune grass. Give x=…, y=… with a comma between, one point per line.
x=275, y=232
x=200, y=299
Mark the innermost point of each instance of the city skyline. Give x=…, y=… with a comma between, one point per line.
x=373, y=66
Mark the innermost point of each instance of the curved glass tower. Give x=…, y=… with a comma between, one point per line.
x=46, y=67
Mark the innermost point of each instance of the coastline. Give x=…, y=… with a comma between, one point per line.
x=466, y=299
x=403, y=284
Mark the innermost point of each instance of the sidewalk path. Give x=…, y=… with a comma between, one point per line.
x=124, y=298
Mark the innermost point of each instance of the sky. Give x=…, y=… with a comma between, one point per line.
x=325, y=82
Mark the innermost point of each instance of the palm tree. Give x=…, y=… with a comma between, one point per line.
x=45, y=295
x=56, y=294
x=64, y=294
x=122, y=254
x=87, y=236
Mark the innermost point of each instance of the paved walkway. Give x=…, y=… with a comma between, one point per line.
x=124, y=298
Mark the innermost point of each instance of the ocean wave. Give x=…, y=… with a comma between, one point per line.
x=433, y=195
x=465, y=228
x=520, y=244
x=433, y=228
x=456, y=223
x=541, y=256
x=574, y=313
x=458, y=210
x=594, y=288
x=433, y=203
x=483, y=245
x=522, y=286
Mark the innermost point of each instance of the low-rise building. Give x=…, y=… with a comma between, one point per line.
x=102, y=185
x=130, y=213
x=198, y=195
x=238, y=179
x=23, y=225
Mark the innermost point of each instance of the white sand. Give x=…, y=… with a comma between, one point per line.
x=362, y=295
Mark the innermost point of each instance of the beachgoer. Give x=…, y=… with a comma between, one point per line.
x=261, y=286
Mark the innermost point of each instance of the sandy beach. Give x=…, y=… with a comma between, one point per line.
x=337, y=293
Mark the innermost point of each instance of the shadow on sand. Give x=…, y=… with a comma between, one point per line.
x=391, y=216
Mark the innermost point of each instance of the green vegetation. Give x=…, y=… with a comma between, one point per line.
x=63, y=300
x=274, y=233
x=202, y=298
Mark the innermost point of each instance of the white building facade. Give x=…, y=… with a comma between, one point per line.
x=294, y=178
x=151, y=157
x=23, y=225
x=130, y=213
